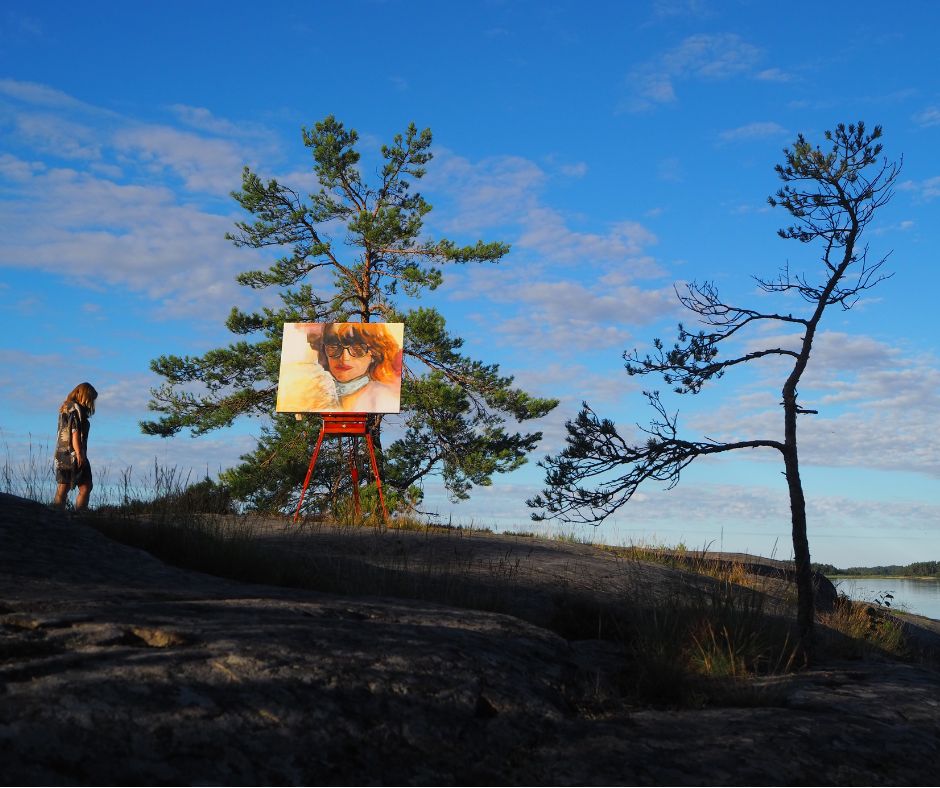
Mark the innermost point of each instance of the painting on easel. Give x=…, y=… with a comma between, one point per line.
x=340, y=368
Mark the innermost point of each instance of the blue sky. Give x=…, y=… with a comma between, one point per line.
x=620, y=147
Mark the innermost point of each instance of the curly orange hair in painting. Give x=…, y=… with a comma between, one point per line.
x=385, y=350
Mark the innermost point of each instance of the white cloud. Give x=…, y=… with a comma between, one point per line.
x=117, y=217
x=488, y=193
x=118, y=147
x=15, y=24
x=504, y=192
x=926, y=189
x=41, y=95
x=773, y=75
x=833, y=350
x=671, y=9
x=577, y=170
x=546, y=233
x=753, y=131
x=928, y=117
x=903, y=226
x=202, y=119
x=876, y=405
x=52, y=134
x=13, y=169
x=736, y=507
x=101, y=232
x=206, y=165
x=532, y=310
x=708, y=57
x=572, y=283
x=729, y=516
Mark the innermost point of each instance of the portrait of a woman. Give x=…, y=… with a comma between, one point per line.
x=341, y=367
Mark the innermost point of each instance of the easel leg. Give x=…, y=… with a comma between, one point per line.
x=375, y=472
x=354, y=472
x=313, y=462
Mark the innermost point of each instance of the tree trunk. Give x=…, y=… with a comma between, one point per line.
x=806, y=606
x=374, y=426
x=341, y=470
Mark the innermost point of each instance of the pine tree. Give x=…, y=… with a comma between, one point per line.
x=832, y=195
x=455, y=410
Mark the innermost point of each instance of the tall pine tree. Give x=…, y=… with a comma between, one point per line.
x=457, y=412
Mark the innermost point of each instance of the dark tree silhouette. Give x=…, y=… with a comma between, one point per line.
x=832, y=196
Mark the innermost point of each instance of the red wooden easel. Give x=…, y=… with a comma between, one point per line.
x=341, y=425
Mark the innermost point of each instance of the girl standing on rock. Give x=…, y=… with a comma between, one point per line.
x=72, y=468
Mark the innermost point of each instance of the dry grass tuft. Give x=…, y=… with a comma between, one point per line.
x=709, y=640
x=867, y=630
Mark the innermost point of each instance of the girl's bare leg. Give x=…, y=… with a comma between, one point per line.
x=81, y=501
x=61, y=496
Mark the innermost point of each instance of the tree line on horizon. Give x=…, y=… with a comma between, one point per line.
x=917, y=569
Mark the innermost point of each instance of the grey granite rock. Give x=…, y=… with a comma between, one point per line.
x=118, y=669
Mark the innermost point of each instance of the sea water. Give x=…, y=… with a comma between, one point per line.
x=914, y=596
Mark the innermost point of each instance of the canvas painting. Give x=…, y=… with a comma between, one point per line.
x=340, y=368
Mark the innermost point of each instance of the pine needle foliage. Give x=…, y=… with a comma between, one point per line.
x=365, y=240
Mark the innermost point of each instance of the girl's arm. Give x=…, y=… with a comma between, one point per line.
x=77, y=446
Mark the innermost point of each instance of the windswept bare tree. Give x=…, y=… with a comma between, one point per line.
x=832, y=195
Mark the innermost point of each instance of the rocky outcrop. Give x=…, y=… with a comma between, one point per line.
x=118, y=669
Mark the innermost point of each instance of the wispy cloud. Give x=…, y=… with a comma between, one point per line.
x=134, y=205
x=572, y=282
x=38, y=95
x=505, y=193
x=491, y=192
x=204, y=120
x=547, y=234
x=15, y=24
x=205, y=165
x=670, y=169
x=684, y=9
x=928, y=117
x=875, y=405
x=703, y=57
x=576, y=170
x=54, y=135
x=926, y=189
x=49, y=122
x=121, y=234
x=904, y=226
x=531, y=308
x=753, y=131
x=773, y=75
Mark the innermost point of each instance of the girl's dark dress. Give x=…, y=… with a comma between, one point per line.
x=66, y=463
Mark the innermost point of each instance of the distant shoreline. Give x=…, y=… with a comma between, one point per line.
x=931, y=578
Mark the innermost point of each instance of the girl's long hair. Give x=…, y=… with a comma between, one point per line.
x=84, y=394
x=386, y=352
